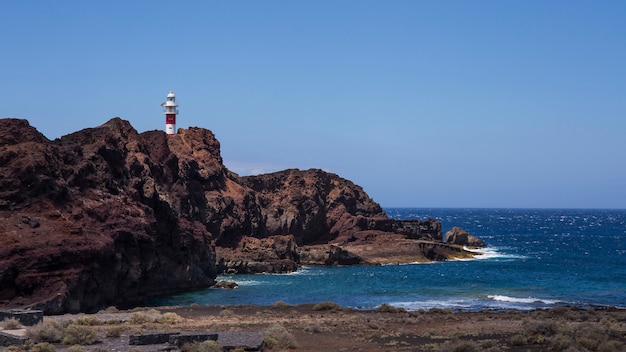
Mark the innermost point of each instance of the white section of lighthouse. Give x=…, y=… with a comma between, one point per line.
x=170, y=113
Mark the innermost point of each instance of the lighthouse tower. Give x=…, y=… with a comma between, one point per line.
x=170, y=113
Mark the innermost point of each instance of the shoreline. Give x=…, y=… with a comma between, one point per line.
x=327, y=326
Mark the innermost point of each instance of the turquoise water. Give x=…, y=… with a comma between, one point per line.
x=535, y=259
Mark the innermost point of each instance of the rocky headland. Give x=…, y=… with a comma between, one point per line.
x=109, y=216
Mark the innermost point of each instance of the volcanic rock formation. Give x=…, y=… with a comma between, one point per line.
x=461, y=237
x=108, y=216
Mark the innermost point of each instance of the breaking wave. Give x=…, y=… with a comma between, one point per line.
x=527, y=300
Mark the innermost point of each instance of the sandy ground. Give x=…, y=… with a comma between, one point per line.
x=327, y=327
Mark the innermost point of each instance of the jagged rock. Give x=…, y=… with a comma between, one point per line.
x=328, y=254
x=461, y=237
x=106, y=216
x=274, y=254
x=226, y=284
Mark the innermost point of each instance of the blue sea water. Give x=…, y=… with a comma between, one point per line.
x=537, y=258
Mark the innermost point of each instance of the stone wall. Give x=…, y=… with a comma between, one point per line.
x=25, y=317
x=11, y=340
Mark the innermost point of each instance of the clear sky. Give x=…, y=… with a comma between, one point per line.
x=422, y=103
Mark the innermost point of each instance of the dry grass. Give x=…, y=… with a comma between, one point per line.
x=46, y=331
x=277, y=337
x=327, y=306
x=11, y=324
x=75, y=334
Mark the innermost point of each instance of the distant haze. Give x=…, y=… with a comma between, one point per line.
x=422, y=103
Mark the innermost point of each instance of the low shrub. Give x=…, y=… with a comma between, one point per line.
x=46, y=331
x=276, y=336
x=79, y=335
x=281, y=304
x=611, y=346
x=170, y=318
x=314, y=328
x=560, y=342
x=140, y=318
x=43, y=347
x=11, y=324
x=77, y=348
x=89, y=321
x=519, y=340
x=115, y=331
x=545, y=328
x=460, y=346
x=22, y=348
x=110, y=309
x=387, y=308
x=440, y=310
x=226, y=313
x=326, y=306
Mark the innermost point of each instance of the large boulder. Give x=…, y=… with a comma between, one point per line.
x=461, y=237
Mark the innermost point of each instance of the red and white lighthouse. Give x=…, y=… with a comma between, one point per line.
x=170, y=113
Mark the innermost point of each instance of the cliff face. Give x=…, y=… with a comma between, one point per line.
x=108, y=216
x=105, y=215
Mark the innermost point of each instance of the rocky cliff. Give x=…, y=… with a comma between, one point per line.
x=109, y=216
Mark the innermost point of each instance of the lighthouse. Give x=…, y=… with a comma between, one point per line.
x=170, y=113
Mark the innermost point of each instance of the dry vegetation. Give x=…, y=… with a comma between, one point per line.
x=329, y=327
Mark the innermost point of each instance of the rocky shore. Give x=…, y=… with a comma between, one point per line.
x=109, y=216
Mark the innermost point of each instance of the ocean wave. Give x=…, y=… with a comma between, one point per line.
x=441, y=304
x=241, y=281
x=527, y=300
x=491, y=253
x=477, y=304
x=305, y=270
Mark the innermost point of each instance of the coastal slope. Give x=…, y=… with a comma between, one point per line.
x=109, y=216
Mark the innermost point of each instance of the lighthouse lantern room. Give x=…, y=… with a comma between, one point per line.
x=170, y=113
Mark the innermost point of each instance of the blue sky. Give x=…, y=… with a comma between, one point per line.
x=422, y=103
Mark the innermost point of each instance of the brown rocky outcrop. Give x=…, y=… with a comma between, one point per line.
x=108, y=216
x=310, y=204
x=275, y=254
x=104, y=216
x=461, y=237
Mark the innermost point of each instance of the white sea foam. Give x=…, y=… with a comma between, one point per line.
x=469, y=303
x=304, y=270
x=413, y=263
x=428, y=304
x=491, y=253
x=527, y=300
x=240, y=281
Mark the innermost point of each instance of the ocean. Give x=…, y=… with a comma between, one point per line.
x=536, y=258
